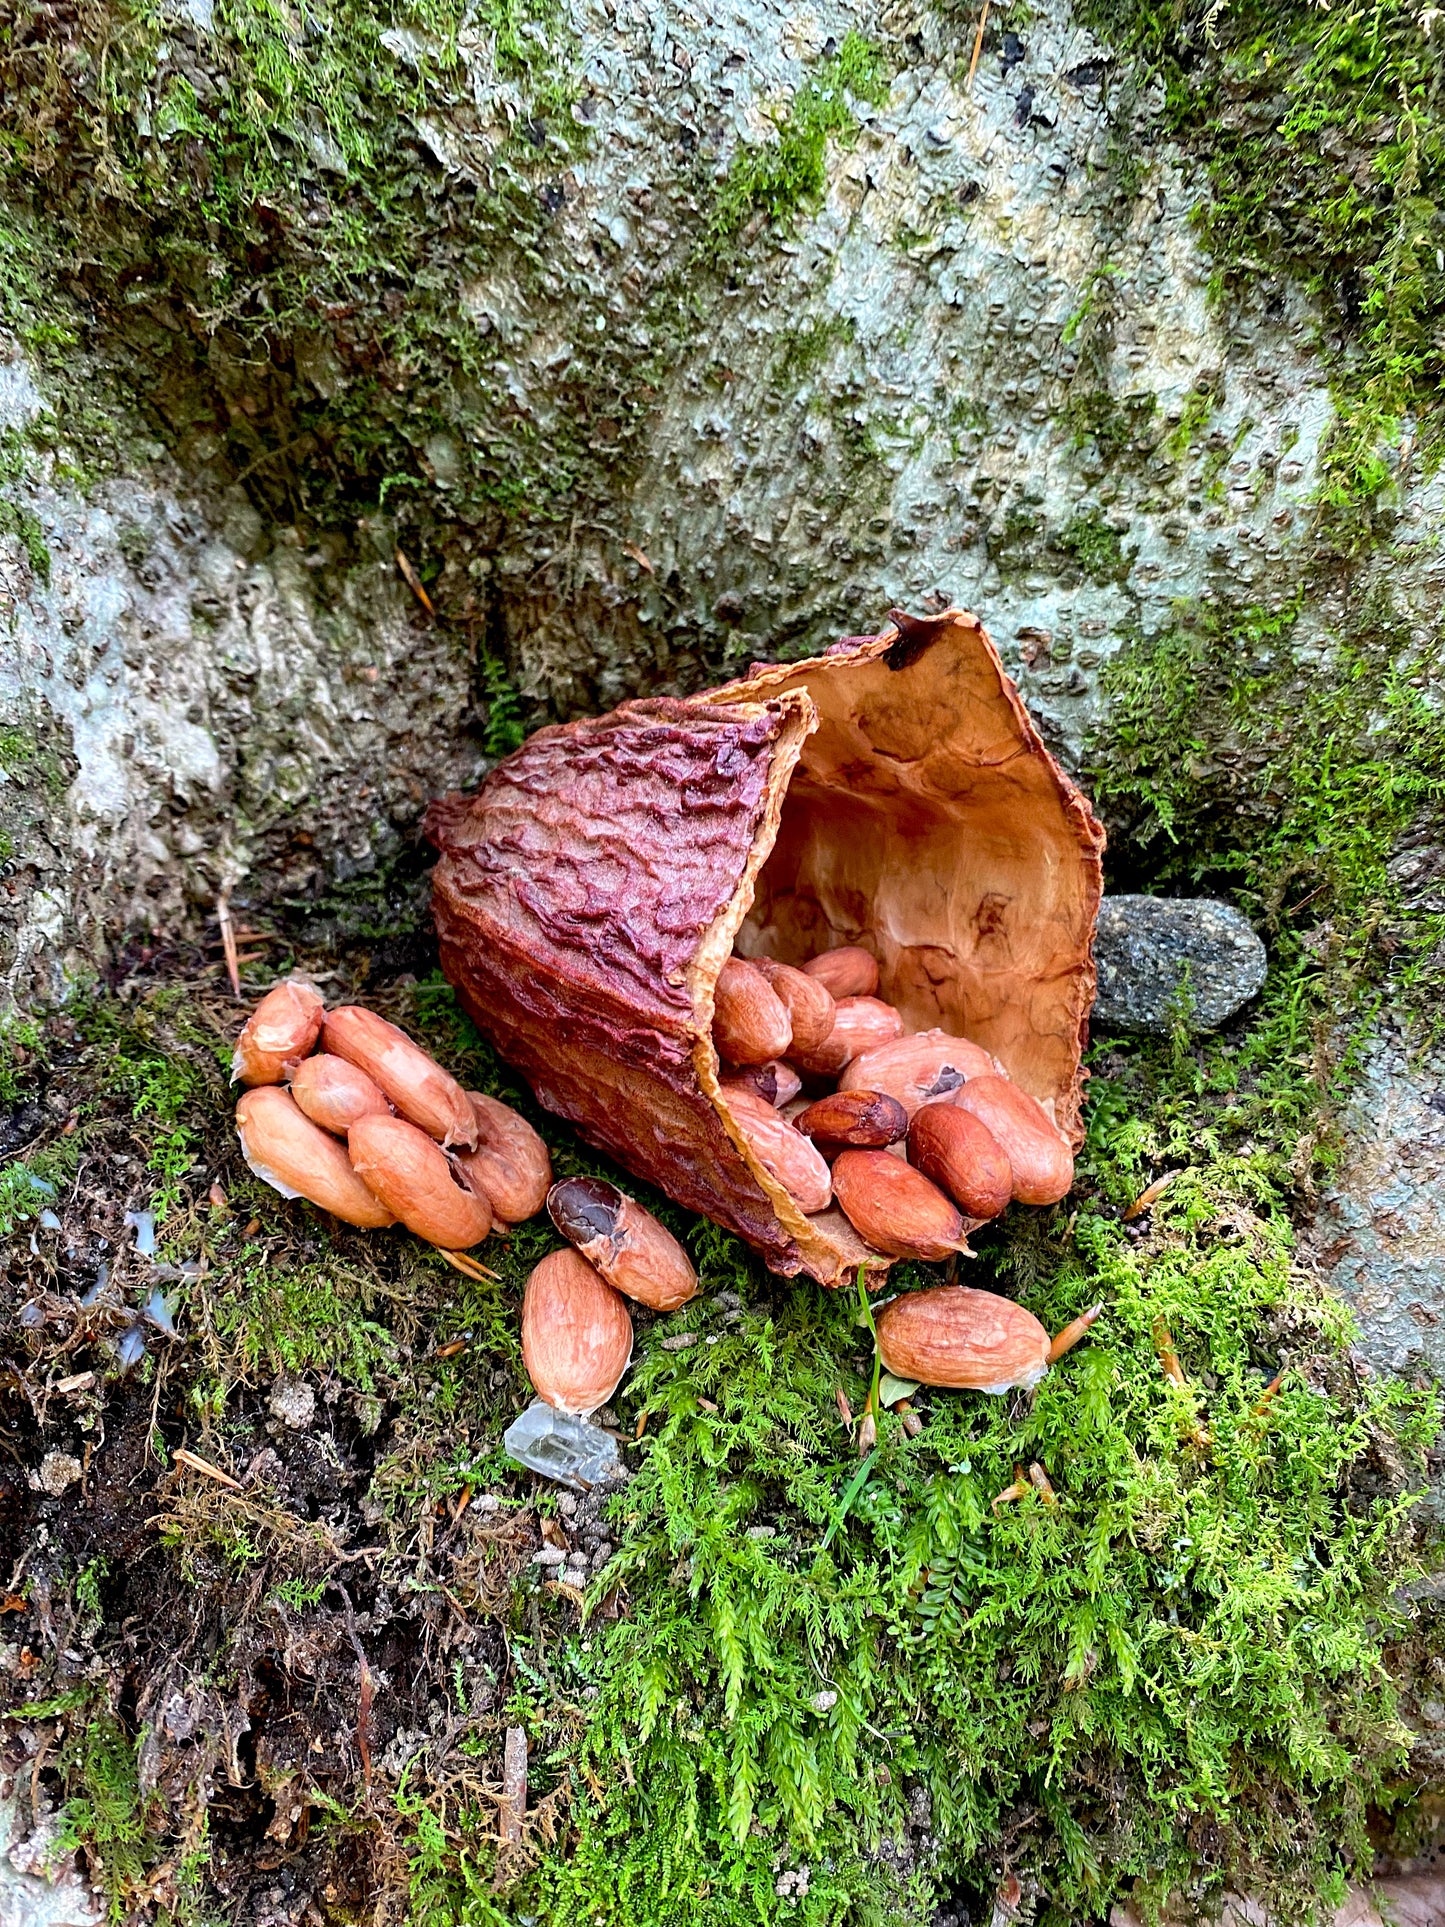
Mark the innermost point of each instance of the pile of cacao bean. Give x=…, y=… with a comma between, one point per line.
x=925, y=1134
x=371, y=1128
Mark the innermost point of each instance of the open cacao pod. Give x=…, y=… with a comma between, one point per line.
x=892, y=794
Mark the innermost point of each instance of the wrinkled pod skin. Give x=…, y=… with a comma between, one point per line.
x=859, y=1023
x=511, y=1164
x=576, y=1334
x=863, y=1119
x=1042, y=1163
x=845, y=972
x=896, y=1208
x=334, y=1093
x=930, y=1064
x=283, y=1027
x=963, y=1158
x=809, y=1003
x=298, y=1159
x=416, y=1084
x=634, y=1253
x=750, y=1023
x=962, y=1339
x=413, y=1177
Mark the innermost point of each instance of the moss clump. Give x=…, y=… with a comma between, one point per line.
x=1095, y=548
x=776, y=181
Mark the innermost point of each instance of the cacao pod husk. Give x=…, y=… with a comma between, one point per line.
x=891, y=795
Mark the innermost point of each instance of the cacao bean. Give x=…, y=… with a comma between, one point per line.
x=1043, y=1164
x=861, y=1118
x=416, y=1084
x=576, y=1334
x=298, y=1159
x=284, y=1026
x=963, y=1157
x=954, y=1336
x=895, y=1208
x=846, y=972
x=750, y=1023
x=635, y=1254
x=808, y=1002
x=334, y=1093
x=784, y=1153
x=511, y=1164
x=918, y=1069
x=859, y=1024
x=777, y=1083
x=413, y=1177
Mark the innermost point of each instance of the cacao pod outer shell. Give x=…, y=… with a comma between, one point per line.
x=893, y=793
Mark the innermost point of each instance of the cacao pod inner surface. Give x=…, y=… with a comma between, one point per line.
x=893, y=793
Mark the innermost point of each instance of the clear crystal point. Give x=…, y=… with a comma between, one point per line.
x=560, y=1447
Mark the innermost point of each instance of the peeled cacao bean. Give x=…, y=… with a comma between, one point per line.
x=809, y=1003
x=861, y=1118
x=969, y=1340
x=896, y=1208
x=917, y=1069
x=511, y=1164
x=859, y=1024
x=1042, y=1163
x=298, y=1159
x=576, y=1334
x=750, y=1023
x=846, y=972
x=334, y=1093
x=784, y=1153
x=416, y=1084
x=634, y=1253
x=963, y=1158
x=284, y=1026
x=413, y=1177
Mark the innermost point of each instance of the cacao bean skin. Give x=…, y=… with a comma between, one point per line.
x=861, y=1118
x=784, y=1153
x=846, y=972
x=412, y=1176
x=896, y=1208
x=635, y=1254
x=576, y=1334
x=511, y=1163
x=284, y=1026
x=962, y=1339
x=1043, y=1164
x=917, y=1069
x=298, y=1159
x=334, y=1093
x=416, y=1084
x=963, y=1158
x=809, y=1003
x=750, y=1023
x=860, y=1023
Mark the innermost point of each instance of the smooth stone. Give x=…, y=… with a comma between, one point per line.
x=1158, y=957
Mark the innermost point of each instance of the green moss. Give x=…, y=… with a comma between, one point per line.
x=1095, y=548
x=1322, y=137
x=107, y=1813
x=777, y=181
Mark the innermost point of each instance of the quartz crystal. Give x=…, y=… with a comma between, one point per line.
x=560, y=1447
